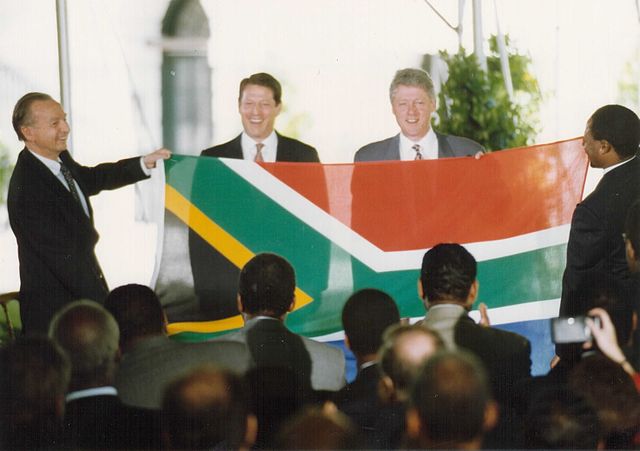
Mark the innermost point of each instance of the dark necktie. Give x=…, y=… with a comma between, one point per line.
x=259, y=158
x=417, y=148
x=69, y=178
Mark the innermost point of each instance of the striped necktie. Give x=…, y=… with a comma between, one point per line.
x=417, y=148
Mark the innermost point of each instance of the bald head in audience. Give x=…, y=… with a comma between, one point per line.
x=207, y=409
x=451, y=405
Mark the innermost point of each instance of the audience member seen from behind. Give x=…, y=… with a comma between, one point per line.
x=207, y=409
x=95, y=417
x=266, y=294
x=404, y=350
x=150, y=359
x=449, y=287
x=560, y=419
x=611, y=392
x=365, y=316
x=34, y=377
x=320, y=429
x=413, y=101
x=451, y=406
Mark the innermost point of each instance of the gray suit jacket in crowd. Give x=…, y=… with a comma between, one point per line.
x=389, y=149
x=153, y=362
x=272, y=344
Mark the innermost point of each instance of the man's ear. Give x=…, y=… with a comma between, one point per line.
x=631, y=252
x=420, y=289
x=413, y=423
x=251, y=432
x=490, y=416
x=292, y=305
x=239, y=304
x=473, y=293
x=346, y=342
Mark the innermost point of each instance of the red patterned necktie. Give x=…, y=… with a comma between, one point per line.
x=259, y=158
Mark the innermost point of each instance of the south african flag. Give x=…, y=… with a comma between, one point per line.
x=345, y=227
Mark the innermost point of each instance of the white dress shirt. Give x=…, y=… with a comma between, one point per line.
x=428, y=147
x=269, y=150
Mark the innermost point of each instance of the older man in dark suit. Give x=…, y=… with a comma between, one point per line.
x=413, y=101
x=50, y=212
x=95, y=417
x=259, y=103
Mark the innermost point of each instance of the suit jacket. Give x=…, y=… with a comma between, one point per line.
x=595, y=241
x=505, y=355
x=289, y=149
x=56, y=239
x=359, y=399
x=272, y=344
x=104, y=422
x=152, y=363
x=389, y=149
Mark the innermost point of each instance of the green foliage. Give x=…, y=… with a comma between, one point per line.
x=6, y=168
x=475, y=104
x=628, y=88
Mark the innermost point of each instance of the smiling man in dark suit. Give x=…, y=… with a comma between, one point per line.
x=413, y=101
x=259, y=103
x=50, y=212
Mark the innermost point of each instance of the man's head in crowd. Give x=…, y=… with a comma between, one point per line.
x=413, y=101
x=266, y=286
x=89, y=335
x=451, y=404
x=560, y=419
x=319, y=428
x=611, y=392
x=138, y=312
x=632, y=237
x=405, y=348
x=259, y=103
x=365, y=316
x=34, y=377
x=207, y=409
x=448, y=275
x=612, y=135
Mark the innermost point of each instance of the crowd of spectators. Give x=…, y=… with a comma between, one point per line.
x=109, y=377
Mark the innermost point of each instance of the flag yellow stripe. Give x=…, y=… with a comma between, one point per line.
x=232, y=249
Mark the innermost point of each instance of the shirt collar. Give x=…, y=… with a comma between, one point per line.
x=428, y=144
x=269, y=150
x=90, y=392
x=52, y=165
x=610, y=168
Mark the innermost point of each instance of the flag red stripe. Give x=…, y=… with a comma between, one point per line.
x=501, y=195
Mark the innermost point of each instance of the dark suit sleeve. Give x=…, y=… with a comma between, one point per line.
x=585, y=250
x=107, y=175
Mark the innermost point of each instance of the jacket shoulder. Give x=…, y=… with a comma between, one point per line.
x=378, y=150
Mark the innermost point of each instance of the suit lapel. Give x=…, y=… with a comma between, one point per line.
x=444, y=149
x=393, y=151
x=67, y=205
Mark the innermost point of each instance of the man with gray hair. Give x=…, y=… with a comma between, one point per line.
x=413, y=101
x=95, y=418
